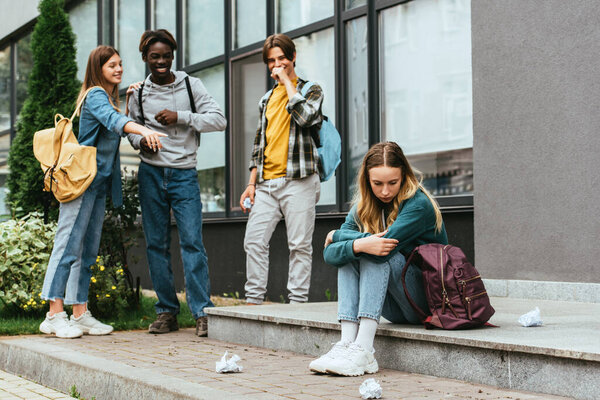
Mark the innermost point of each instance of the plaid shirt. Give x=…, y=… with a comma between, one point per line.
x=302, y=160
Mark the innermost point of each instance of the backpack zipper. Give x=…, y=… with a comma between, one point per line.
x=468, y=300
x=463, y=282
x=445, y=299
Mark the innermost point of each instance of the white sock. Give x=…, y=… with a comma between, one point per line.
x=366, y=333
x=349, y=331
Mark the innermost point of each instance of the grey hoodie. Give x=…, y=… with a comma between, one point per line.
x=180, y=146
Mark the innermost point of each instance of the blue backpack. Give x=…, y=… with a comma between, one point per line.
x=329, y=146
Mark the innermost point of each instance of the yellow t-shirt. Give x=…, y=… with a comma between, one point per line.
x=278, y=134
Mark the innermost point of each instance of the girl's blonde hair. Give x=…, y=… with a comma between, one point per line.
x=368, y=211
x=94, y=77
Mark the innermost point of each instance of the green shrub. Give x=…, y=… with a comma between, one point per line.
x=52, y=88
x=110, y=295
x=25, y=247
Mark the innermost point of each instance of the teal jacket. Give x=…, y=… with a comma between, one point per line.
x=414, y=226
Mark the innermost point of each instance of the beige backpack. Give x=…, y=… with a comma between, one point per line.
x=69, y=168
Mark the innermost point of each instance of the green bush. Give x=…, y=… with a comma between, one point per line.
x=52, y=88
x=25, y=247
x=110, y=295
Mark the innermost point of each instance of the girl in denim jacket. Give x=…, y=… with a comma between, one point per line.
x=393, y=214
x=80, y=221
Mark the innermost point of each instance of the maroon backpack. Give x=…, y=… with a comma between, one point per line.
x=454, y=290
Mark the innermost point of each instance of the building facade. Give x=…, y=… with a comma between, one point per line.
x=390, y=69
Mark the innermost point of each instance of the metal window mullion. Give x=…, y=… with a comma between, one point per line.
x=341, y=68
x=373, y=73
x=227, y=13
x=99, y=19
x=179, y=33
x=13, y=89
x=270, y=30
x=112, y=15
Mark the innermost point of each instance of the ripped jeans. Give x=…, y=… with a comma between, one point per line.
x=371, y=289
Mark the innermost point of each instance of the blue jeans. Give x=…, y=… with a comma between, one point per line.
x=370, y=289
x=75, y=247
x=162, y=189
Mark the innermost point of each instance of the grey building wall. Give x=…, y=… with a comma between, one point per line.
x=15, y=14
x=536, y=103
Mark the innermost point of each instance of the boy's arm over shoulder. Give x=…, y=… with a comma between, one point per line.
x=135, y=113
x=208, y=116
x=306, y=110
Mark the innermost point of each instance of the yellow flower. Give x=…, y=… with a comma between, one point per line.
x=43, y=301
x=113, y=287
x=120, y=270
x=33, y=303
x=108, y=295
x=24, y=306
x=98, y=259
x=93, y=280
x=102, y=268
x=97, y=296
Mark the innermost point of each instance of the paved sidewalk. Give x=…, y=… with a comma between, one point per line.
x=14, y=388
x=267, y=374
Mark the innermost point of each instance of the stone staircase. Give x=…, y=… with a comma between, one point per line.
x=562, y=357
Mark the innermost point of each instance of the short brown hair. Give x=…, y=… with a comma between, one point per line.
x=283, y=42
x=160, y=35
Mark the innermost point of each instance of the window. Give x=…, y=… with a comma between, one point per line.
x=211, y=153
x=24, y=67
x=84, y=20
x=204, y=32
x=355, y=3
x=249, y=22
x=5, y=86
x=292, y=14
x=315, y=62
x=129, y=28
x=164, y=15
x=247, y=87
x=426, y=103
x=4, y=125
x=357, y=98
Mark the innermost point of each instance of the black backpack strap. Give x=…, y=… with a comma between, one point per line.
x=189, y=90
x=140, y=102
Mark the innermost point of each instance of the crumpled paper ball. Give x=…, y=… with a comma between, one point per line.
x=532, y=318
x=370, y=389
x=230, y=365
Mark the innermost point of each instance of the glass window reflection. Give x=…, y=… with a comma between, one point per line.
x=211, y=153
x=84, y=20
x=355, y=3
x=129, y=28
x=292, y=14
x=165, y=15
x=249, y=22
x=204, y=32
x=24, y=67
x=315, y=62
x=427, y=89
x=5, y=86
x=357, y=98
x=247, y=88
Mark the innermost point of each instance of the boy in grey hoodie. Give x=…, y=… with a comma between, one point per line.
x=173, y=103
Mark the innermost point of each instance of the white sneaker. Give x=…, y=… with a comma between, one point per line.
x=60, y=325
x=354, y=362
x=322, y=363
x=90, y=325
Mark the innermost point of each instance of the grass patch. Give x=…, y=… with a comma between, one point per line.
x=136, y=319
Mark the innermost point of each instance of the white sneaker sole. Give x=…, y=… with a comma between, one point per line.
x=314, y=367
x=49, y=330
x=371, y=368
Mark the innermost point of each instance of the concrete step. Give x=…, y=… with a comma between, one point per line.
x=562, y=357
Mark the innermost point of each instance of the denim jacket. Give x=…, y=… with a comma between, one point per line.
x=101, y=126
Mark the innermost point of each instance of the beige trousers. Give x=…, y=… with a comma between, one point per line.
x=295, y=201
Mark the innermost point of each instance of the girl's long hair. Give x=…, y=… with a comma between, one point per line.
x=368, y=215
x=93, y=74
